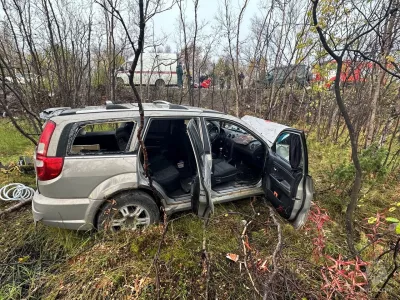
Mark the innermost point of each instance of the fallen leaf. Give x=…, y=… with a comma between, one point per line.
x=23, y=259
x=232, y=256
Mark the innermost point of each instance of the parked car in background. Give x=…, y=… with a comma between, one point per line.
x=90, y=166
x=292, y=74
x=159, y=69
x=21, y=78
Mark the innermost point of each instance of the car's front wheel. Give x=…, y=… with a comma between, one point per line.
x=131, y=210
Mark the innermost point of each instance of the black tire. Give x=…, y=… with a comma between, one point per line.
x=120, y=82
x=130, y=210
x=160, y=83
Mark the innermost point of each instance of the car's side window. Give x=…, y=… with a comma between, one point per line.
x=288, y=146
x=102, y=138
x=282, y=146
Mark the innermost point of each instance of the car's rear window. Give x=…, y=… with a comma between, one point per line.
x=102, y=138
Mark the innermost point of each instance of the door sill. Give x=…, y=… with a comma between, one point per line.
x=231, y=187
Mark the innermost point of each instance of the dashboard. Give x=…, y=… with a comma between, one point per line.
x=238, y=145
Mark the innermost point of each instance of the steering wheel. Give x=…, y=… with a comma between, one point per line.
x=213, y=131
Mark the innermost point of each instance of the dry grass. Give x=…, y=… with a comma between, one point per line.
x=43, y=262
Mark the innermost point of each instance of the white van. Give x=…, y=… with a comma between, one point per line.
x=159, y=69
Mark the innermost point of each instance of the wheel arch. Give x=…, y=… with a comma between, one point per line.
x=148, y=191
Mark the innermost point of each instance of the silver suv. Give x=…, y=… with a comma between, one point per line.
x=90, y=171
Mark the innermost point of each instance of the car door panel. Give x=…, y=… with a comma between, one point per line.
x=202, y=204
x=284, y=208
x=280, y=176
x=287, y=181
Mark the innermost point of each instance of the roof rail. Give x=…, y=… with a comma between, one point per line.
x=161, y=102
x=111, y=105
x=170, y=105
x=52, y=112
x=116, y=106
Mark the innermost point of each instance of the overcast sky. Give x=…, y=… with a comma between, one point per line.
x=167, y=22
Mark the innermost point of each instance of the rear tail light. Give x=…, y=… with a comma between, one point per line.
x=45, y=138
x=47, y=167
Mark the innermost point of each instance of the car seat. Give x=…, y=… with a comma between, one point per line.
x=164, y=173
x=222, y=172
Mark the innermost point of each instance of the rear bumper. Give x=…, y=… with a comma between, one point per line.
x=76, y=214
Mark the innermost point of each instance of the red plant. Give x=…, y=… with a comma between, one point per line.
x=318, y=217
x=376, y=221
x=341, y=277
x=344, y=277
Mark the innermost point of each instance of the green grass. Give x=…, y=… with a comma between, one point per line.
x=13, y=143
x=51, y=263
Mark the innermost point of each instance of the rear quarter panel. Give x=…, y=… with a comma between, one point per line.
x=83, y=175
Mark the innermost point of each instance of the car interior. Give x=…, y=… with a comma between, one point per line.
x=171, y=158
x=238, y=157
x=102, y=138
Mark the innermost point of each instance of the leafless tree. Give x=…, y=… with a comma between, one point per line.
x=184, y=27
x=147, y=9
x=386, y=35
x=44, y=55
x=231, y=26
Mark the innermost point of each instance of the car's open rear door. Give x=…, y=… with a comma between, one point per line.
x=286, y=182
x=201, y=189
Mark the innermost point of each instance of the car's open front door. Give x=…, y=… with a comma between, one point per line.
x=201, y=189
x=286, y=182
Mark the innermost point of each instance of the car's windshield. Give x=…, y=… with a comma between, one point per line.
x=233, y=128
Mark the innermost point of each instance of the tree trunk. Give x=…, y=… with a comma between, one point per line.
x=332, y=121
x=385, y=130
x=283, y=103
x=354, y=154
x=374, y=105
x=289, y=103
x=319, y=116
x=353, y=140
x=112, y=73
x=196, y=3
x=391, y=141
